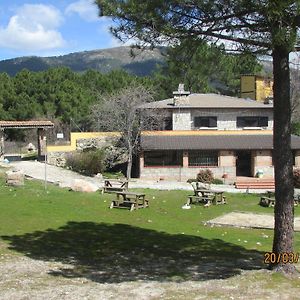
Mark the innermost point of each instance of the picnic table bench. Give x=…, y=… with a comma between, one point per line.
x=115, y=185
x=130, y=201
x=207, y=197
x=269, y=200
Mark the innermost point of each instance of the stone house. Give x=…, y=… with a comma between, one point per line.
x=231, y=136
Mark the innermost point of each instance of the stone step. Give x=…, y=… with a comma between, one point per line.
x=255, y=183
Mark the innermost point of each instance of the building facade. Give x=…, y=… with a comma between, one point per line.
x=230, y=136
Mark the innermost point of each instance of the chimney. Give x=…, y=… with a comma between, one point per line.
x=179, y=93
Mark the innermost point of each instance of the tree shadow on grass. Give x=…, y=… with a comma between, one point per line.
x=113, y=253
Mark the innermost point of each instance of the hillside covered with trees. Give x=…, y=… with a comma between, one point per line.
x=64, y=96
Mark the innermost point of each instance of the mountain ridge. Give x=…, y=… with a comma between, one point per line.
x=134, y=61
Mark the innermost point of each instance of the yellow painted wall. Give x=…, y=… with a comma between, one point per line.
x=248, y=86
x=256, y=87
x=77, y=136
x=264, y=88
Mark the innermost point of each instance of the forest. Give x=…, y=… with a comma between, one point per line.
x=65, y=97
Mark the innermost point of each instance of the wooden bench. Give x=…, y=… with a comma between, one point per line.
x=114, y=186
x=220, y=200
x=270, y=202
x=129, y=200
x=266, y=201
x=192, y=199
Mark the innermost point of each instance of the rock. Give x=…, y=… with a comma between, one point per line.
x=80, y=185
x=186, y=206
x=99, y=176
x=14, y=177
x=30, y=147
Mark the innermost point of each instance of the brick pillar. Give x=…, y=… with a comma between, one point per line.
x=42, y=143
x=297, y=159
x=185, y=158
x=142, y=164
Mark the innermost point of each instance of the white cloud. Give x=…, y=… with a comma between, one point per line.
x=86, y=9
x=33, y=28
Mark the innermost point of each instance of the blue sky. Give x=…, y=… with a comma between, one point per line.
x=48, y=28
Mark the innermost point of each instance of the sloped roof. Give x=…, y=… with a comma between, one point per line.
x=26, y=124
x=207, y=101
x=211, y=142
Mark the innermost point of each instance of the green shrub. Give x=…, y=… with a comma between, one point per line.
x=205, y=176
x=217, y=181
x=87, y=163
x=296, y=176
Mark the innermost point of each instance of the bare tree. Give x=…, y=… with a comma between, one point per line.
x=120, y=111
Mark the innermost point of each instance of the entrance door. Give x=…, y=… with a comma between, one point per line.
x=243, y=163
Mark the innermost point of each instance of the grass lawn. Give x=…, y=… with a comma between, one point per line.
x=163, y=242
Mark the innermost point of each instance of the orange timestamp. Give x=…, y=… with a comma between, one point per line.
x=281, y=258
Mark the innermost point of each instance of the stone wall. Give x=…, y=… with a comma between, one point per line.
x=98, y=142
x=263, y=162
x=226, y=118
x=59, y=158
x=181, y=119
x=184, y=173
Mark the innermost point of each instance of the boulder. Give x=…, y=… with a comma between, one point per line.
x=14, y=177
x=30, y=147
x=80, y=185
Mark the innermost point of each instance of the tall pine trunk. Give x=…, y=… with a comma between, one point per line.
x=283, y=162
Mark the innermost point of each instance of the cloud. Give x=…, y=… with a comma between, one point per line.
x=86, y=9
x=33, y=28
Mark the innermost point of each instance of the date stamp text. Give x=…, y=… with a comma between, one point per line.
x=281, y=258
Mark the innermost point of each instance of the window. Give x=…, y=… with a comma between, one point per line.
x=252, y=121
x=205, y=122
x=162, y=158
x=203, y=158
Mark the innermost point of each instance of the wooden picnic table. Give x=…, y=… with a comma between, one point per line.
x=271, y=193
x=269, y=200
x=207, y=196
x=115, y=185
x=130, y=200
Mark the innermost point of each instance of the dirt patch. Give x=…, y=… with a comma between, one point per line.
x=25, y=278
x=251, y=220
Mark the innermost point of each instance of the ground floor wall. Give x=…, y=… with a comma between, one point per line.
x=227, y=169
